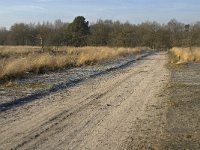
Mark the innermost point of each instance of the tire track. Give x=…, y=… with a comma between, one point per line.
x=86, y=102
x=61, y=86
x=78, y=120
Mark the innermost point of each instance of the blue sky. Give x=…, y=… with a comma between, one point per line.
x=134, y=11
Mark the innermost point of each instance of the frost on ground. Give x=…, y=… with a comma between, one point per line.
x=34, y=86
x=118, y=110
x=141, y=106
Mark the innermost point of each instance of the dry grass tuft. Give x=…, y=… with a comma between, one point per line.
x=186, y=54
x=15, y=65
x=36, y=63
x=95, y=54
x=17, y=50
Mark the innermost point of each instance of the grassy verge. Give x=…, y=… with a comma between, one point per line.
x=18, y=61
x=183, y=55
x=183, y=102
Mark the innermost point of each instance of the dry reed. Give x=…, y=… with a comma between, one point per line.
x=13, y=50
x=29, y=61
x=186, y=54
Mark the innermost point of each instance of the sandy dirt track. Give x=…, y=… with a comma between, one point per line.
x=120, y=110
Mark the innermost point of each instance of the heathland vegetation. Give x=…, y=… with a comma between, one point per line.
x=183, y=55
x=16, y=61
x=49, y=46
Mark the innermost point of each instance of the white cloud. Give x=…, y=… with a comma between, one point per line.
x=26, y=8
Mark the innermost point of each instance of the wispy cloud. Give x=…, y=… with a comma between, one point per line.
x=135, y=11
x=26, y=8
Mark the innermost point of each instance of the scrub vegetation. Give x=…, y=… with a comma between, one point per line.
x=48, y=46
x=17, y=61
x=184, y=55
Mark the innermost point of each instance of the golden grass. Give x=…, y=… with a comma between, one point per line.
x=35, y=63
x=62, y=57
x=94, y=54
x=186, y=54
x=13, y=50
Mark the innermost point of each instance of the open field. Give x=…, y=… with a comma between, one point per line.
x=186, y=54
x=100, y=75
x=19, y=60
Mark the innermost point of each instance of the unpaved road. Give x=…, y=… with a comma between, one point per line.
x=120, y=110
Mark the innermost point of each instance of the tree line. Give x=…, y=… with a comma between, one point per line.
x=102, y=33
